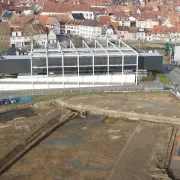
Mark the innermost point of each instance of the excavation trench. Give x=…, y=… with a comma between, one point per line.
x=52, y=121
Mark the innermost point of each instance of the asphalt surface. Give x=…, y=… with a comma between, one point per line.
x=174, y=75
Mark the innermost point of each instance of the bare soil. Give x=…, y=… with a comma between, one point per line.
x=153, y=103
x=89, y=149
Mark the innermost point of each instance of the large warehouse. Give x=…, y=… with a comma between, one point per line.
x=103, y=64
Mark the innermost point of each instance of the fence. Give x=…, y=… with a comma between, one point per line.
x=29, y=97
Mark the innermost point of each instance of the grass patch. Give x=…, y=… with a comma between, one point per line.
x=162, y=78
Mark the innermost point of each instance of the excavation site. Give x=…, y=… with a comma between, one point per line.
x=100, y=136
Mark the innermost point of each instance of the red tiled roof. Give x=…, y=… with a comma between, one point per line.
x=63, y=8
x=105, y=19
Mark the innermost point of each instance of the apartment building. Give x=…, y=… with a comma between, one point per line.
x=91, y=29
x=4, y=34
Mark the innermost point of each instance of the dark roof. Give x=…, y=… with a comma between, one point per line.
x=31, y=21
x=92, y=23
x=78, y=16
x=7, y=14
x=123, y=28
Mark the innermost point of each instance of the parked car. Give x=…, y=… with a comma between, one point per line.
x=12, y=99
x=5, y=101
x=170, y=68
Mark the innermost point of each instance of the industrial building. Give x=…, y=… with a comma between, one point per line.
x=104, y=64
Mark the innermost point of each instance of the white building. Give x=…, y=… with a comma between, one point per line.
x=109, y=30
x=28, y=12
x=146, y=23
x=70, y=27
x=91, y=29
x=21, y=37
x=141, y=34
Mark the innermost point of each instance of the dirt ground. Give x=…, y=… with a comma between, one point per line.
x=154, y=103
x=91, y=148
x=87, y=149
x=14, y=124
x=145, y=156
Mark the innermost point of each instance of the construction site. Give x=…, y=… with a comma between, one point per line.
x=92, y=136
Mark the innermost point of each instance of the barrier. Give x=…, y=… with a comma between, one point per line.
x=25, y=99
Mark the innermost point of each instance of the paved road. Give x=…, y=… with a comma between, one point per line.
x=174, y=75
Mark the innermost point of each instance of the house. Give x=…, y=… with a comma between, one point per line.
x=4, y=34
x=91, y=29
x=51, y=22
x=141, y=34
x=22, y=36
x=147, y=20
x=132, y=33
x=110, y=30
x=159, y=33
x=122, y=18
x=173, y=34
x=123, y=32
x=70, y=26
x=52, y=36
x=6, y=16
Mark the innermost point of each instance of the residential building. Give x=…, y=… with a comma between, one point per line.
x=51, y=22
x=159, y=33
x=22, y=36
x=146, y=21
x=6, y=16
x=52, y=36
x=70, y=27
x=110, y=30
x=91, y=29
x=4, y=34
x=173, y=34
x=141, y=34
x=132, y=33
x=123, y=32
